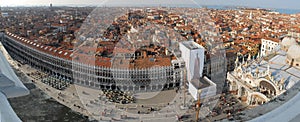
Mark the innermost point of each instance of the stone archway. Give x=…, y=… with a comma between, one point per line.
x=243, y=91
x=249, y=76
x=233, y=87
x=243, y=94
x=267, y=88
x=257, y=98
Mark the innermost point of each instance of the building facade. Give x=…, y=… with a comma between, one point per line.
x=252, y=85
x=98, y=77
x=253, y=81
x=268, y=46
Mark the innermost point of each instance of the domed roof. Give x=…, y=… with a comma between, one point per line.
x=294, y=52
x=288, y=41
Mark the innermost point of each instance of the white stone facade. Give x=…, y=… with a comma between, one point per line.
x=268, y=46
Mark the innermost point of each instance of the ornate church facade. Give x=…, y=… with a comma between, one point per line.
x=252, y=85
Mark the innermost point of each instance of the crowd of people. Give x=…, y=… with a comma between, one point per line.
x=36, y=75
x=118, y=97
x=227, y=105
x=56, y=82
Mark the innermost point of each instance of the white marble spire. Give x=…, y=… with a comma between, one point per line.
x=249, y=57
x=236, y=61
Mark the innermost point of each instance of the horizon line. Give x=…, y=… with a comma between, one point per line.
x=140, y=5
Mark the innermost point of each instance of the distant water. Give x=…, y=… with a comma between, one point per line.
x=288, y=11
x=283, y=11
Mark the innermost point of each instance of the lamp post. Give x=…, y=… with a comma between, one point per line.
x=198, y=105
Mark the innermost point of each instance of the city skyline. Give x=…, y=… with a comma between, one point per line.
x=156, y=61
x=292, y=4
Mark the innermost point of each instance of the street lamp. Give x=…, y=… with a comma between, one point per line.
x=198, y=104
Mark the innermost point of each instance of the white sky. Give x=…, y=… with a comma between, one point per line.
x=293, y=4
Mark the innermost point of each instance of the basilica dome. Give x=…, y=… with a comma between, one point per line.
x=293, y=56
x=294, y=52
x=287, y=42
